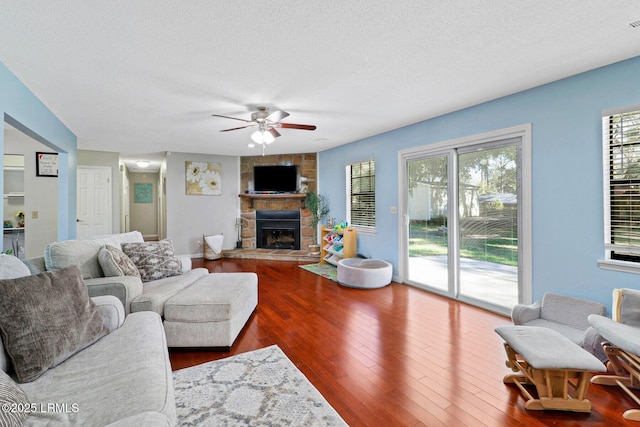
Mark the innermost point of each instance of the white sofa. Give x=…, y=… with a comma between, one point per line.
x=122, y=379
x=131, y=291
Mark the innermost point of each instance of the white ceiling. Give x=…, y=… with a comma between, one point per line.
x=143, y=77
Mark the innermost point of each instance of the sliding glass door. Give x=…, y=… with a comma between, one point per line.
x=462, y=221
x=488, y=224
x=428, y=227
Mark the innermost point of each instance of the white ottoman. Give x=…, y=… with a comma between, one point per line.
x=364, y=273
x=212, y=311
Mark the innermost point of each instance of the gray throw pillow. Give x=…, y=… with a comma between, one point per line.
x=154, y=260
x=115, y=263
x=12, y=399
x=45, y=319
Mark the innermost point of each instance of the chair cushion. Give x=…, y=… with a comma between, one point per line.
x=630, y=307
x=574, y=334
x=45, y=319
x=154, y=260
x=569, y=310
x=623, y=336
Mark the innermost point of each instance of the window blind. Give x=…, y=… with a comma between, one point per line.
x=362, y=193
x=622, y=180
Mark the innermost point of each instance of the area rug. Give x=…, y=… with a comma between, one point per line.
x=325, y=270
x=257, y=388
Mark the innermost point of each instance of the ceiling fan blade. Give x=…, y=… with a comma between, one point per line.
x=232, y=118
x=295, y=126
x=241, y=127
x=274, y=132
x=276, y=116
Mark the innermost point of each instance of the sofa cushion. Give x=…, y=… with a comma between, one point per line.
x=155, y=293
x=118, y=239
x=81, y=253
x=45, y=319
x=154, y=260
x=114, y=263
x=12, y=396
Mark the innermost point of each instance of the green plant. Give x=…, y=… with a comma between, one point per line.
x=318, y=205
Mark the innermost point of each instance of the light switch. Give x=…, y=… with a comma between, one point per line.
x=34, y=214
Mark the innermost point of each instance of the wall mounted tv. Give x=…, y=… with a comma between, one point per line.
x=275, y=179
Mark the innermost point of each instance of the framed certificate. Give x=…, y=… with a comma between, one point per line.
x=46, y=164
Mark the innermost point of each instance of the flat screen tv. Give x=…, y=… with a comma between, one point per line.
x=275, y=179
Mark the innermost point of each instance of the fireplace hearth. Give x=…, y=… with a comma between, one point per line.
x=278, y=229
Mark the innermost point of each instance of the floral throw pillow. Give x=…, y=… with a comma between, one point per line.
x=154, y=260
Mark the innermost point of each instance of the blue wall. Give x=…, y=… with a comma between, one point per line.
x=568, y=227
x=23, y=110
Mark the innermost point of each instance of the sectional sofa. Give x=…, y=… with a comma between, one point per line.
x=121, y=377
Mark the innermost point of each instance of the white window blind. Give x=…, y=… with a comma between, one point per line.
x=361, y=188
x=622, y=184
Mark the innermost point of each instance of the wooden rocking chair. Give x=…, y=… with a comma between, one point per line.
x=622, y=345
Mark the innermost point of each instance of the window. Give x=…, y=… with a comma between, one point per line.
x=361, y=194
x=621, y=141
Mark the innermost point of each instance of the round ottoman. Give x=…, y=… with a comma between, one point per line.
x=364, y=273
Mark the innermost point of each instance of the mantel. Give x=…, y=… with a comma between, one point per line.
x=254, y=196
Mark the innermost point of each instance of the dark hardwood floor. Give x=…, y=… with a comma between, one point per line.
x=396, y=356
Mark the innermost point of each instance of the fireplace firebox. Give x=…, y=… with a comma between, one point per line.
x=278, y=229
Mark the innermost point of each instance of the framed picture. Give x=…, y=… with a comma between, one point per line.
x=143, y=193
x=46, y=164
x=203, y=179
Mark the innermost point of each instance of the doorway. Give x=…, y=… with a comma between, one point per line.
x=30, y=200
x=466, y=232
x=144, y=204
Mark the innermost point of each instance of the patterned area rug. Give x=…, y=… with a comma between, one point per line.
x=325, y=270
x=257, y=388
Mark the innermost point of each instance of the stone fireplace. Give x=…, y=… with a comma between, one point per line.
x=278, y=229
x=252, y=203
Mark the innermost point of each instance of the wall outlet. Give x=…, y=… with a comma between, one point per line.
x=199, y=243
x=394, y=210
x=34, y=214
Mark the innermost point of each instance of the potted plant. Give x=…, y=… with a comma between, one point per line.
x=318, y=205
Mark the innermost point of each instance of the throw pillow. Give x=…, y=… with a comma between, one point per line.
x=12, y=398
x=45, y=319
x=114, y=262
x=12, y=267
x=154, y=260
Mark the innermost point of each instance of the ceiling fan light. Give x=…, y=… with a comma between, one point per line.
x=143, y=163
x=267, y=137
x=257, y=137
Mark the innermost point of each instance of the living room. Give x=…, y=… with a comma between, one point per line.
x=565, y=252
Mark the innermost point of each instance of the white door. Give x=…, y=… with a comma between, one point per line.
x=94, y=201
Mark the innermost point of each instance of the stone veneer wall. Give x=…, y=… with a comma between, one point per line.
x=307, y=167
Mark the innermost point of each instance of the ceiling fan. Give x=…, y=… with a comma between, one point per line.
x=267, y=122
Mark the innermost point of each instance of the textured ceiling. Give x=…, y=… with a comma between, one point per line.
x=141, y=77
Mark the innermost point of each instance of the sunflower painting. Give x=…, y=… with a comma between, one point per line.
x=204, y=178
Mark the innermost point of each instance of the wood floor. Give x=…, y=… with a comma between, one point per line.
x=395, y=356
